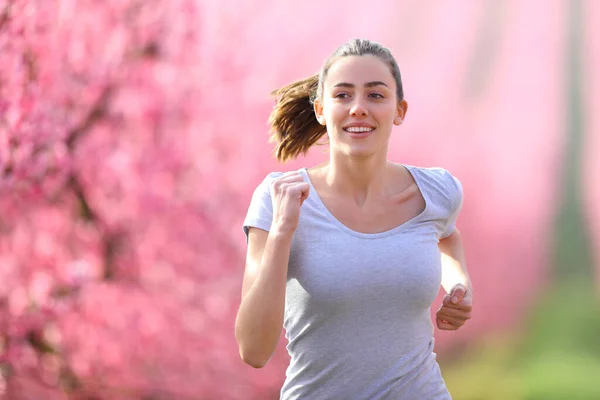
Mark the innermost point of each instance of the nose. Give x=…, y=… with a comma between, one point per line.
x=358, y=109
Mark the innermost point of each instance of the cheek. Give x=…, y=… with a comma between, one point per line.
x=386, y=114
x=333, y=117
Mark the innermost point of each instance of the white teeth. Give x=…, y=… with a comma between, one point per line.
x=357, y=129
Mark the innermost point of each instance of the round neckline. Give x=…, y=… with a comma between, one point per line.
x=313, y=193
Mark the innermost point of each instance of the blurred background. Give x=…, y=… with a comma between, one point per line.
x=133, y=133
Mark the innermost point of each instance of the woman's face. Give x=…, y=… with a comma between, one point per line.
x=359, y=106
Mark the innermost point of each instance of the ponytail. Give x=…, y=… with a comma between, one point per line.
x=294, y=126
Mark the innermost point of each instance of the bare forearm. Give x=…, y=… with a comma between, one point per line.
x=260, y=317
x=454, y=266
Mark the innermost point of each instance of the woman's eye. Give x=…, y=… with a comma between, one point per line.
x=341, y=96
x=376, y=96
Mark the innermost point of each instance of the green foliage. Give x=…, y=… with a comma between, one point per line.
x=558, y=358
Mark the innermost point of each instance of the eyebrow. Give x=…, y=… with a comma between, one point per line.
x=368, y=84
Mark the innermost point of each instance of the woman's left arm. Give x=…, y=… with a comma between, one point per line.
x=458, y=302
x=454, y=268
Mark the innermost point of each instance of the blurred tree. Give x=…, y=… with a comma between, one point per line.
x=118, y=265
x=571, y=249
x=556, y=355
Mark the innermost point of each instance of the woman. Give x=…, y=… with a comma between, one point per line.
x=347, y=255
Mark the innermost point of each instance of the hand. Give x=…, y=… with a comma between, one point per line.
x=456, y=309
x=288, y=193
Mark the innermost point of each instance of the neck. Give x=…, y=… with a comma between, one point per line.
x=358, y=178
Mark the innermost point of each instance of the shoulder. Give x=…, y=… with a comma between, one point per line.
x=263, y=189
x=437, y=181
x=435, y=175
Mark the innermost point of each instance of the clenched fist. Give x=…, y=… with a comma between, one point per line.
x=456, y=308
x=288, y=193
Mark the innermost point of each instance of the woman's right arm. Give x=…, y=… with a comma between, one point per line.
x=260, y=316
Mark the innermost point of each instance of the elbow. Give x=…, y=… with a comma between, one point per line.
x=252, y=355
x=253, y=360
x=254, y=349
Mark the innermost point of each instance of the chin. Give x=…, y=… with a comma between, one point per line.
x=380, y=150
x=356, y=152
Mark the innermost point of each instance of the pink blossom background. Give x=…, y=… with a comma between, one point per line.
x=132, y=135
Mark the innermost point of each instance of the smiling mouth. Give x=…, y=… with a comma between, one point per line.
x=359, y=129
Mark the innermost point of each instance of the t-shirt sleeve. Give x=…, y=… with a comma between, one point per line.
x=260, y=211
x=456, y=200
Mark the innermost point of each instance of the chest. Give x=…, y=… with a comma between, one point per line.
x=376, y=216
x=338, y=271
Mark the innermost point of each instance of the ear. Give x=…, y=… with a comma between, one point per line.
x=401, y=112
x=318, y=106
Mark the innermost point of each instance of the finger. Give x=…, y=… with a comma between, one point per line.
x=458, y=293
x=446, y=312
x=445, y=325
x=304, y=188
x=300, y=187
x=292, y=176
x=298, y=190
x=446, y=300
x=293, y=187
x=465, y=305
x=279, y=184
x=468, y=299
x=456, y=323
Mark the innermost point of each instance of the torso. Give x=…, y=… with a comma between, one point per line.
x=403, y=203
x=359, y=290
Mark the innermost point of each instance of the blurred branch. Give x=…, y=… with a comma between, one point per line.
x=5, y=16
x=37, y=341
x=68, y=380
x=113, y=244
x=112, y=241
x=96, y=113
x=30, y=61
x=85, y=211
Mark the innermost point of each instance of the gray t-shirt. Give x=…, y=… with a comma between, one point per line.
x=357, y=306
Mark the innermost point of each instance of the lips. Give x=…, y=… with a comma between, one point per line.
x=358, y=130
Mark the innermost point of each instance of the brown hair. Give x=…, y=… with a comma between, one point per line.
x=294, y=126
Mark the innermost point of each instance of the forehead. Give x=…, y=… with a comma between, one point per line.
x=358, y=70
